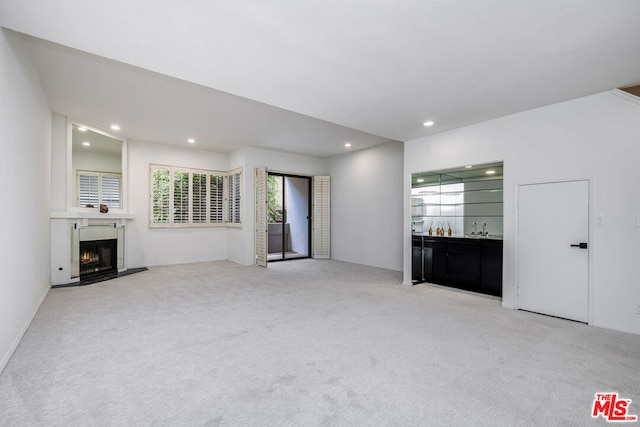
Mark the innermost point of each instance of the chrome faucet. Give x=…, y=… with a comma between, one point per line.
x=484, y=233
x=475, y=229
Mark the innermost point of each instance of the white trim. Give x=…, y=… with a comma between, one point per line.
x=590, y=236
x=90, y=214
x=626, y=95
x=516, y=240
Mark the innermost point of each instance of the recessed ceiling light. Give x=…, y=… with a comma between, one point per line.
x=191, y=141
x=348, y=145
x=468, y=167
x=86, y=144
x=419, y=180
x=428, y=123
x=490, y=172
x=82, y=128
x=115, y=127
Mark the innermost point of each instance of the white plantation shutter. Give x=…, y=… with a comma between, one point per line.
x=180, y=197
x=199, y=197
x=236, y=198
x=233, y=198
x=88, y=189
x=216, y=199
x=321, y=217
x=110, y=194
x=160, y=195
x=261, y=217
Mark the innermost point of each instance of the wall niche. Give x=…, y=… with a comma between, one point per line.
x=467, y=200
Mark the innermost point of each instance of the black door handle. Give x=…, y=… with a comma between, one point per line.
x=582, y=245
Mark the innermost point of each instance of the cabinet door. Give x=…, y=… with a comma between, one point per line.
x=416, y=260
x=463, y=264
x=439, y=265
x=427, y=258
x=434, y=257
x=491, y=268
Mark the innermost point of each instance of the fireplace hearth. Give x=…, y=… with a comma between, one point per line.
x=98, y=257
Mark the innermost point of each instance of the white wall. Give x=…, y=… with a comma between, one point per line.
x=59, y=163
x=236, y=246
x=242, y=240
x=157, y=246
x=366, y=206
x=25, y=137
x=595, y=138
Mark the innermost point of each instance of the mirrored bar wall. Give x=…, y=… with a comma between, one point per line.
x=467, y=200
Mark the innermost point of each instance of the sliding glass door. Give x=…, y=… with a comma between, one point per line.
x=288, y=216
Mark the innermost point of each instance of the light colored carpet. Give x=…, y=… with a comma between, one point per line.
x=304, y=343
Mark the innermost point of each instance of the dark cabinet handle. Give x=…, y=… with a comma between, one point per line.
x=582, y=245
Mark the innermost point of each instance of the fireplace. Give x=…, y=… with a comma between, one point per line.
x=98, y=257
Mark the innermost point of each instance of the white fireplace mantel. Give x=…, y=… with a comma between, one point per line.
x=90, y=215
x=66, y=229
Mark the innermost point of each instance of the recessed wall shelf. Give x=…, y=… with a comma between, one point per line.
x=465, y=200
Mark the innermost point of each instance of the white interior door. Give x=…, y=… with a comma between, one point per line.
x=261, y=237
x=553, y=273
x=321, y=217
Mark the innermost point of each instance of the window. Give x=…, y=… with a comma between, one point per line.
x=199, y=191
x=95, y=188
x=234, y=198
x=182, y=197
x=216, y=199
x=160, y=193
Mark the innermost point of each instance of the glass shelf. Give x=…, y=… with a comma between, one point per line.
x=439, y=218
x=458, y=198
x=456, y=204
x=456, y=192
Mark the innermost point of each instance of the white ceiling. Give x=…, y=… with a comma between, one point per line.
x=381, y=67
x=153, y=107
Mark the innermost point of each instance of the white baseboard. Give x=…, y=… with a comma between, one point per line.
x=12, y=349
x=508, y=305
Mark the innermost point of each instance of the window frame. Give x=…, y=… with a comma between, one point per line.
x=209, y=217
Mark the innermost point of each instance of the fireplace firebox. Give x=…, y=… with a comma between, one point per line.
x=98, y=257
